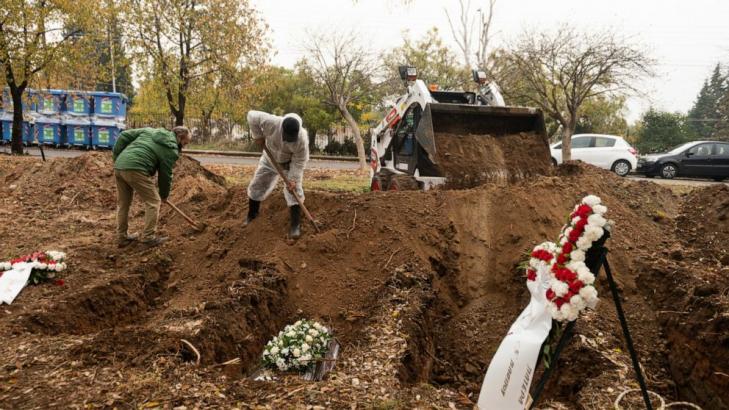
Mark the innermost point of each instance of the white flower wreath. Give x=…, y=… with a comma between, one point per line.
x=297, y=347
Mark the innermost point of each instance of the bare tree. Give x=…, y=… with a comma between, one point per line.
x=464, y=35
x=484, y=35
x=345, y=70
x=559, y=71
x=473, y=28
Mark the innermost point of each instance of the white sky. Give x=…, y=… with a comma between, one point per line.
x=687, y=38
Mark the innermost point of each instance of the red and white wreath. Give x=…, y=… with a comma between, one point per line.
x=571, y=287
x=45, y=265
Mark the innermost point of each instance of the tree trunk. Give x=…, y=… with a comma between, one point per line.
x=179, y=111
x=16, y=146
x=357, y=137
x=312, y=141
x=180, y=114
x=179, y=117
x=568, y=131
x=206, y=126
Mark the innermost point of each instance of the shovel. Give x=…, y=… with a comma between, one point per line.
x=198, y=227
x=294, y=193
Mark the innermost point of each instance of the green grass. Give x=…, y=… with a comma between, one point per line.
x=337, y=183
x=341, y=183
x=237, y=145
x=237, y=180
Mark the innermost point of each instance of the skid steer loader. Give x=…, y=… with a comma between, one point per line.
x=455, y=139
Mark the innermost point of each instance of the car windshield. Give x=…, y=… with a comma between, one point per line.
x=678, y=149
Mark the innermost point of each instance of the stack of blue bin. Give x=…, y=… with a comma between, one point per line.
x=107, y=121
x=49, y=107
x=67, y=117
x=76, y=119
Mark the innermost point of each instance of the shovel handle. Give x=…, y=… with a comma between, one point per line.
x=182, y=214
x=286, y=182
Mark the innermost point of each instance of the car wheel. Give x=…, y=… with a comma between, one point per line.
x=719, y=179
x=669, y=171
x=621, y=167
x=554, y=162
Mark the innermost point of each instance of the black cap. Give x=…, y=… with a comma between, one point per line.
x=290, y=127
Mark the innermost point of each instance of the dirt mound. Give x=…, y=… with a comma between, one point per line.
x=419, y=284
x=470, y=160
x=83, y=181
x=704, y=220
x=692, y=305
x=187, y=166
x=73, y=182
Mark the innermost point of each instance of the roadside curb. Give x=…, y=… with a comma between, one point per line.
x=258, y=154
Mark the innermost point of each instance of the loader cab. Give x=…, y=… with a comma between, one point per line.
x=404, y=146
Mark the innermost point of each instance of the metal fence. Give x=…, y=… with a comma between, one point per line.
x=203, y=130
x=339, y=139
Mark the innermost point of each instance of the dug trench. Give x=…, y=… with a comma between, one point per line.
x=476, y=290
x=442, y=265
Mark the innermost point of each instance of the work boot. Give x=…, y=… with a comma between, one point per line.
x=295, y=231
x=126, y=240
x=253, y=207
x=156, y=241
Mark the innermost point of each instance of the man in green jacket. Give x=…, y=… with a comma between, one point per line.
x=138, y=154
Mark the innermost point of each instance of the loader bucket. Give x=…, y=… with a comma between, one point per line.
x=470, y=144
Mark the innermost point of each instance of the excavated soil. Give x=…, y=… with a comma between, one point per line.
x=704, y=220
x=469, y=160
x=419, y=287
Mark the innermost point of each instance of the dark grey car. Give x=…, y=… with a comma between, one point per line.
x=700, y=159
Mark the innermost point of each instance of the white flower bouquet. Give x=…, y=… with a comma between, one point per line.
x=297, y=347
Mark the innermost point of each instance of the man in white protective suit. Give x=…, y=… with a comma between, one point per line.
x=288, y=143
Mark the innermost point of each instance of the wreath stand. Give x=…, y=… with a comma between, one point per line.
x=596, y=259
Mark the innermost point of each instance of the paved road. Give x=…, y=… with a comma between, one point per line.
x=204, y=159
x=330, y=164
x=228, y=160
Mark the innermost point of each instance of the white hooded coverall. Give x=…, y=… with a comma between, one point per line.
x=292, y=156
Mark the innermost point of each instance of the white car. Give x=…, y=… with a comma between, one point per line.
x=604, y=151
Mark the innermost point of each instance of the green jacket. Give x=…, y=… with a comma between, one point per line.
x=149, y=150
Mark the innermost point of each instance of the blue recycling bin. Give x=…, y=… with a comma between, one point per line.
x=108, y=104
x=77, y=131
x=104, y=132
x=48, y=131
x=78, y=103
x=50, y=102
x=7, y=125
